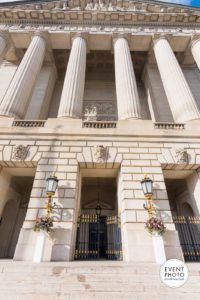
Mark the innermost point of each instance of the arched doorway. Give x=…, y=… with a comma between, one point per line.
x=187, y=210
x=187, y=223
x=7, y=229
x=13, y=214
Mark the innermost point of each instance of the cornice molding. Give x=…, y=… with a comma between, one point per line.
x=99, y=5
x=100, y=11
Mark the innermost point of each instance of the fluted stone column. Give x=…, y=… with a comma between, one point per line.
x=3, y=45
x=18, y=94
x=128, y=103
x=196, y=51
x=71, y=102
x=179, y=95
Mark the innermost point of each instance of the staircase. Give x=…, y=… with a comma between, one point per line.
x=102, y=280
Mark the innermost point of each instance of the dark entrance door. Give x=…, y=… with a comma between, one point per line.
x=98, y=237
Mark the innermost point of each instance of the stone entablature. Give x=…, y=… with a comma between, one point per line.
x=100, y=11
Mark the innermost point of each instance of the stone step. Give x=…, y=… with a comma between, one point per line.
x=91, y=280
x=85, y=278
x=99, y=296
x=57, y=286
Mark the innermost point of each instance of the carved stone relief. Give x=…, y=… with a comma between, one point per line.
x=94, y=111
x=103, y=5
x=181, y=156
x=99, y=153
x=100, y=5
x=20, y=152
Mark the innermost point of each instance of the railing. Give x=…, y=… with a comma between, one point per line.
x=99, y=124
x=98, y=237
x=166, y=125
x=189, y=235
x=28, y=123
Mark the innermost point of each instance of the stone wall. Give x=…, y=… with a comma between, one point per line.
x=69, y=157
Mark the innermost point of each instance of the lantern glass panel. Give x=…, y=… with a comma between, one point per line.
x=98, y=210
x=51, y=185
x=147, y=185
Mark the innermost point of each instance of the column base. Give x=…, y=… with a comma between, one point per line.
x=4, y=114
x=129, y=117
x=6, y=121
x=68, y=117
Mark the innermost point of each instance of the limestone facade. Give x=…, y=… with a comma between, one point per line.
x=79, y=74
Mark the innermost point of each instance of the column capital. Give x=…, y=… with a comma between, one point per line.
x=117, y=36
x=157, y=37
x=45, y=36
x=194, y=39
x=5, y=35
x=83, y=35
x=5, y=43
x=194, y=47
x=154, y=39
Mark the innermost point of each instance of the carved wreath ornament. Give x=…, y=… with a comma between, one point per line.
x=99, y=153
x=20, y=152
x=181, y=156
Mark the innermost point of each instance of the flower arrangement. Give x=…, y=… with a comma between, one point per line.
x=155, y=225
x=43, y=223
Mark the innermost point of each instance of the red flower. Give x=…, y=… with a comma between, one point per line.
x=155, y=225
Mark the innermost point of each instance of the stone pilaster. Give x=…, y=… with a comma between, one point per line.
x=127, y=95
x=18, y=94
x=195, y=48
x=3, y=45
x=73, y=89
x=179, y=95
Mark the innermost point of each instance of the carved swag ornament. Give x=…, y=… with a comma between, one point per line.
x=181, y=156
x=99, y=153
x=20, y=152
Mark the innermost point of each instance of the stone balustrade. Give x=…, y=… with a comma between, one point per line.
x=99, y=124
x=167, y=125
x=28, y=123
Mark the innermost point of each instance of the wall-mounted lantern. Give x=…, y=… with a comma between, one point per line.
x=51, y=186
x=147, y=187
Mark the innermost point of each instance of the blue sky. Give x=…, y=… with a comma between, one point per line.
x=186, y=2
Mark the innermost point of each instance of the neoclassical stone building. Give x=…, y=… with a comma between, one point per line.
x=100, y=93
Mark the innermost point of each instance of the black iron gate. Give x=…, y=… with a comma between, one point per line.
x=189, y=234
x=98, y=237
